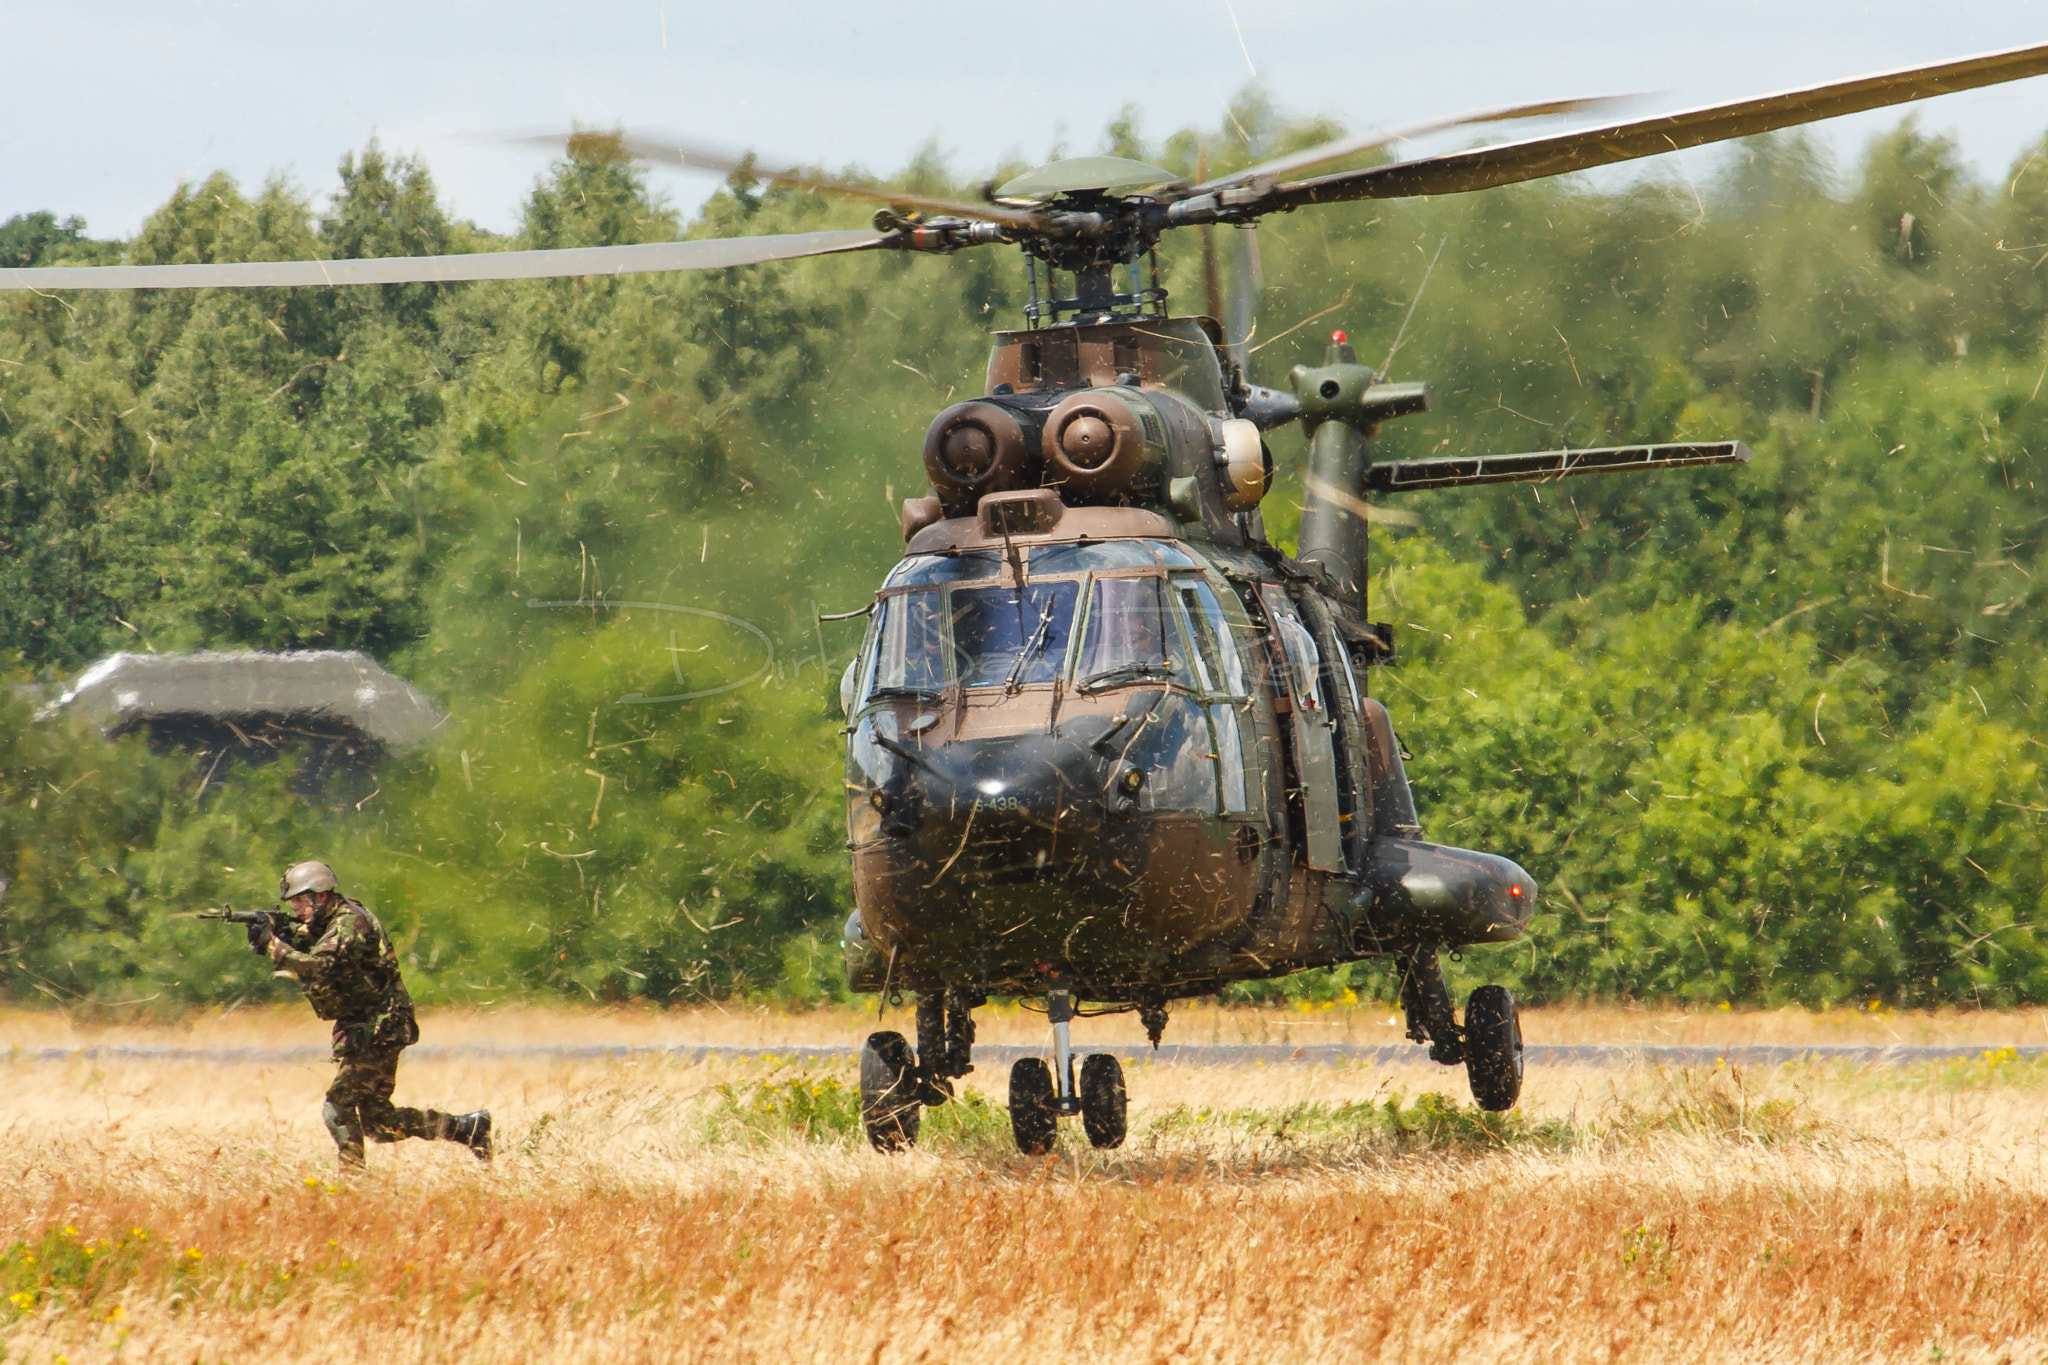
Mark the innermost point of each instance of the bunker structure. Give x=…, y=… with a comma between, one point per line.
x=342, y=709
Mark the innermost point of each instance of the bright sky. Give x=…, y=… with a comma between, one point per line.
x=109, y=103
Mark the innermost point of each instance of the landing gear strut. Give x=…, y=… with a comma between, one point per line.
x=1490, y=1043
x=1040, y=1095
x=1426, y=998
x=896, y=1084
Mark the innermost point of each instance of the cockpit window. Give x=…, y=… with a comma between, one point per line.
x=1131, y=634
x=956, y=568
x=1215, y=653
x=983, y=637
x=910, y=646
x=1096, y=555
x=1304, y=666
x=1010, y=636
x=943, y=622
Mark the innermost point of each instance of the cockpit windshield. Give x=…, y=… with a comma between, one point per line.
x=991, y=636
x=1010, y=636
x=948, y=621
x=1131, y=634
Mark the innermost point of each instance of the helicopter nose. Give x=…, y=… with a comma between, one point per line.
x=1018, y=782
x=1448, y=895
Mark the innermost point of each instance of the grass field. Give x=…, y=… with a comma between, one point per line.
x=653, y=1210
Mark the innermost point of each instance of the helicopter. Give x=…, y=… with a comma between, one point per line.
x=1106, y=744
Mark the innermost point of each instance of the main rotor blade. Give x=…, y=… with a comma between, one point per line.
x=665, y=150
x=710, y=253
x=1323, y=154
x=1509, y=163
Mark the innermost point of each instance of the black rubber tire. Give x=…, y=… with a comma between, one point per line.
x=1034, y=1106
x=890, y=1093
x=1493, y=1048
x=1105, y=1105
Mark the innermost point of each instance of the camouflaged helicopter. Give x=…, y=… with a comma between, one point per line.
x=1105, y=741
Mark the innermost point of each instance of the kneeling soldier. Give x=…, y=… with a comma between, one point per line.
x=344, y=960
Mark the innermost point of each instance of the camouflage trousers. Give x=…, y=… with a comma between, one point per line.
x=359, y=1104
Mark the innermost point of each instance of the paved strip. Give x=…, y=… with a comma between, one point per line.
x=1184, y=1054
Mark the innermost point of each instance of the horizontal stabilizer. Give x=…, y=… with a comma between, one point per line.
x=1464, y=471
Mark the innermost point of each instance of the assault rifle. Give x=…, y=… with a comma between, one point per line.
x=273, y=920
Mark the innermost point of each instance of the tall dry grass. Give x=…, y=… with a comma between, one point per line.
x=762, y=1025
x=1258, y=1213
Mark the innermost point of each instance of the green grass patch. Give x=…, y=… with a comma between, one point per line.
x=65, y=1269
x=970, y=1123
x=1992, y=1068
x=1714, y=1102
x=1433, y=1122
x=806, y=1107
x=825, y=1109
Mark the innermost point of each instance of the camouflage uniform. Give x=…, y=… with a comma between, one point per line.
x=349, y=970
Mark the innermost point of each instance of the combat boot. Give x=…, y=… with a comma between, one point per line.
x=472, y=1131
x=347, y=1133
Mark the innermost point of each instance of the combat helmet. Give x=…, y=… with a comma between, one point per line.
x=306, y=876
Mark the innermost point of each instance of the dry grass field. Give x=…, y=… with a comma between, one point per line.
x=645, y=1209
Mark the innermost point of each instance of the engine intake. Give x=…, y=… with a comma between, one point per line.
x=1094, y=444
x=976, y=448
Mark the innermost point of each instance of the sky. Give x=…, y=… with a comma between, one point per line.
x=109, y=104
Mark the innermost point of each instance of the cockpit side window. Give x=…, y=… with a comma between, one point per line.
x=1304, y=667
x=910, y=654
x=1216, y=658
x=1131, y=635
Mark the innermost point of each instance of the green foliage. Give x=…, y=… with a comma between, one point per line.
x=824, y=1109
x=64, y=1268
x=1715, y=1104
x=808, y=1108
x=39, y=239
x=1433, y=1123
x=1762, y=734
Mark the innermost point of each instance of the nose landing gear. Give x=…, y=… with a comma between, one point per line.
x=1034, y=1106
x=1104, y=1102
x=891, y=1093
x=1038, y=1102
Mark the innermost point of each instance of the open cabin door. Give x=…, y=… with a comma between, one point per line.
x=1298, y=687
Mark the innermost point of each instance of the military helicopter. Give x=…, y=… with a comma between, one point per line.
x=1105, y=742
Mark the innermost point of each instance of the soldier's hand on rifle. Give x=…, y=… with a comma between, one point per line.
x=260, y=936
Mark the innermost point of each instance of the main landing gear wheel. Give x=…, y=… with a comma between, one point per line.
x=891, y=1092
x=1493, y=1048
x=1034, y=1106
x=1104, y=1102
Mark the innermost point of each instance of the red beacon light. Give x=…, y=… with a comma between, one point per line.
x=1338, y=336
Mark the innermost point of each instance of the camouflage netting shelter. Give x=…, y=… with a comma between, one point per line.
x=343, y=708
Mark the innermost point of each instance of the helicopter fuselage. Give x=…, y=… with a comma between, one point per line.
x=1101, y=733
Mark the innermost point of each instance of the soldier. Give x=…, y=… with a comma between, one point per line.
x=345, y=961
